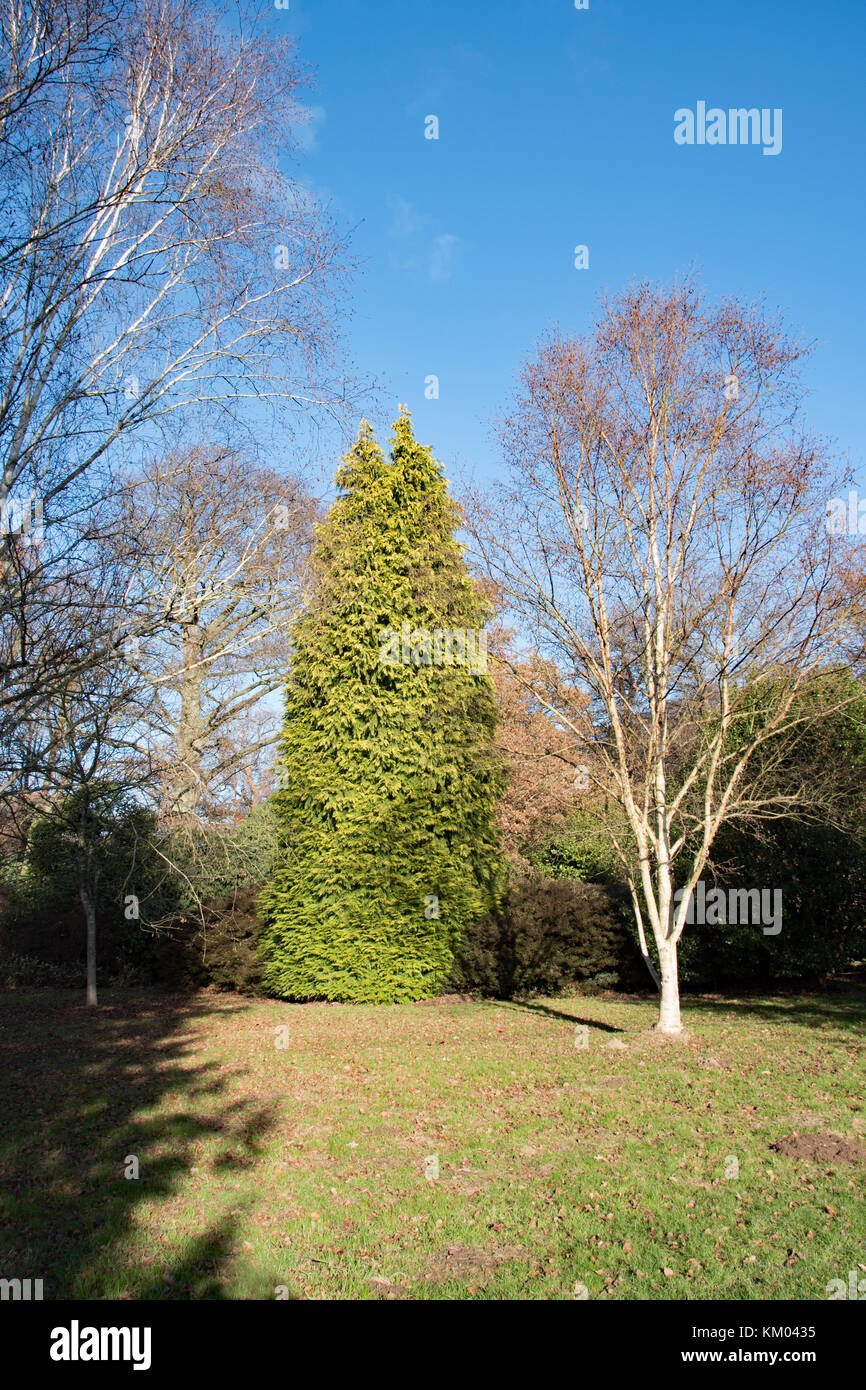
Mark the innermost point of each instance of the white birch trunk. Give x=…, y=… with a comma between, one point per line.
x=669, y=1006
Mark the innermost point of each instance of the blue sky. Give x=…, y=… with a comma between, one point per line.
x=556, y=129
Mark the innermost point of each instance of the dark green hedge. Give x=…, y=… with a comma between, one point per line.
x=552, y=935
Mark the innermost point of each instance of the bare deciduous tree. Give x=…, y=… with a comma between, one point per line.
x=663, y=539
x=93, y=763
x=217, y=550
x=153, y=260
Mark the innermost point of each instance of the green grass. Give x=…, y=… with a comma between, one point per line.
x=305, y=1167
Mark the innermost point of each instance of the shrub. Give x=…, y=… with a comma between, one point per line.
x=551, y=935
x=820, y=872
x=222, y=952
x=207, y=864
x=815, y=855
x=28, y=972
x=583, y=851
x=197, y=921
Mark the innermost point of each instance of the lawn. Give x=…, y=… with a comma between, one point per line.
x=453, y=1149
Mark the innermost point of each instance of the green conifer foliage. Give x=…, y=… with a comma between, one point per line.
x=389, y=778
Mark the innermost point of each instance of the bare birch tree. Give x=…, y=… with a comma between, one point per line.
x=153, y=261
x=663, y=538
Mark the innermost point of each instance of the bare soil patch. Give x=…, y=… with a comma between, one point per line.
x=820, y=1148
x=469, y=1261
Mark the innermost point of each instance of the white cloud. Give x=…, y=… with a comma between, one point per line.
x=412, y=229
x=406, y=220
x=442, y=258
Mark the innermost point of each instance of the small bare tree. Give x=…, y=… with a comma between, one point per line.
x=93, y=767
x=663, y=539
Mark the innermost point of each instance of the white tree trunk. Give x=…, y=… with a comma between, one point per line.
x=669, y=1007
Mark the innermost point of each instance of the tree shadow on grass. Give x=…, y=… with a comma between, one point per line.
x=844, y=1011
x=560, y=1014
x=81, y=1091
